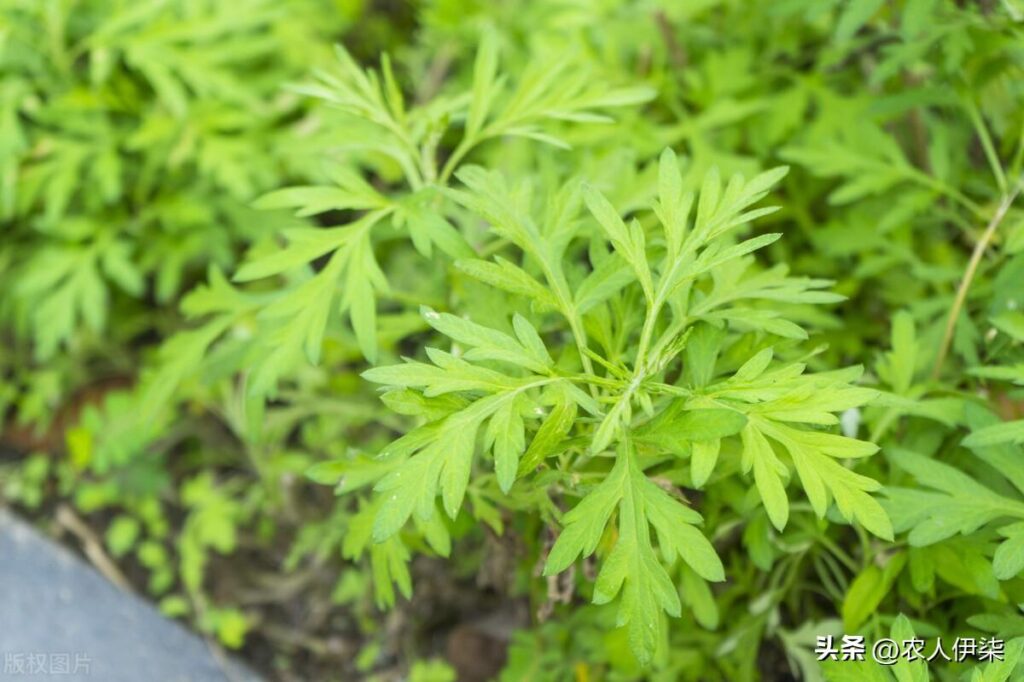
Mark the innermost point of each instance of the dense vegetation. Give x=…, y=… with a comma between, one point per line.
x=562, y=340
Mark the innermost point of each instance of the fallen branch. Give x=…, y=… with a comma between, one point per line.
x=92, y=546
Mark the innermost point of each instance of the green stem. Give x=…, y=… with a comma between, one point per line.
x=949, y=191
x=463, y=148
x=968, y=278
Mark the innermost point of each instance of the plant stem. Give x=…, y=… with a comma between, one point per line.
x=968, y=278
x=645, y=335
x=453, y=161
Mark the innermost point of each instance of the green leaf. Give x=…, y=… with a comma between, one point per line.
x=673, y=205
x=703, y=457
x=485, y=83
x=997, y=434
x=676, y=425
x=768, y=471
x=702, y=354
x=1002, y=670
x=906, y=670
x=698, y=596
x=902, y=361
x=606, y=280
x=585, y=523
x=628, y=241
x=122, y=535
x=508, y=277
x=868, y=590
x=1008, y=560
x=506, y=434
x=632, y=568
x=526, y=351
x=553, y=431
x=315, y=200
x=956, y=503
x=709, y=424
x=855, y=14
x=754, y=367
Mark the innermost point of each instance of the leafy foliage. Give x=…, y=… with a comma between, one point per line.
x=525, y=286
x=685, y=417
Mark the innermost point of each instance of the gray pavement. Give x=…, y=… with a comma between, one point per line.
x=61, y=620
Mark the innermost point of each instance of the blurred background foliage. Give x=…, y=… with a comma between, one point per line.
x=136, y=136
